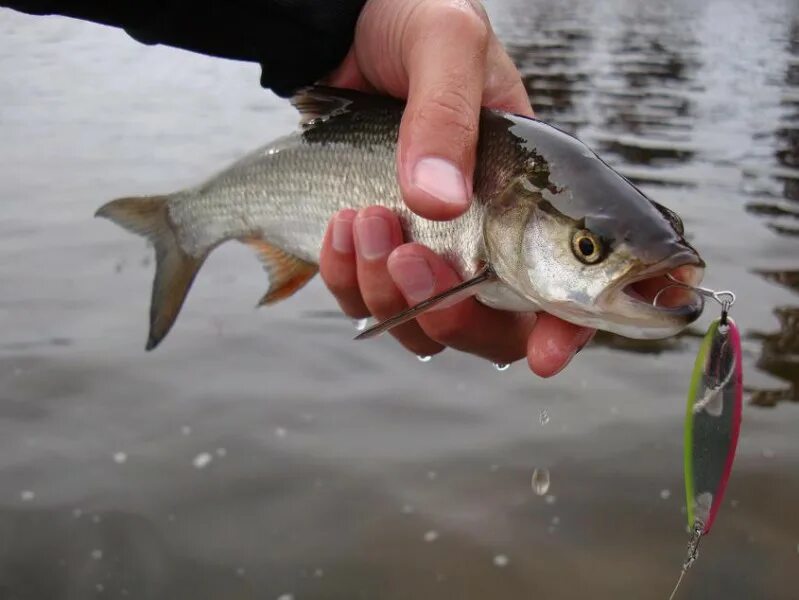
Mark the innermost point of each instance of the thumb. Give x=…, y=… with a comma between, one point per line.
x=445, y=58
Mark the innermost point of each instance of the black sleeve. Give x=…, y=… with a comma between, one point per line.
x=296, y=42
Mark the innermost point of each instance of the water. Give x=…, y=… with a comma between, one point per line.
x=540, y=481
x=697, y=102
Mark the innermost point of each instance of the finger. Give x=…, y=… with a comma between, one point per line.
x=469, y=326
x=553, y=343
x=503, y=86
x=444, y=56
x=337, y=264
x=377, y=233
x=348, y=75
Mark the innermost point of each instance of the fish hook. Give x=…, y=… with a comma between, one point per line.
x=725, y=298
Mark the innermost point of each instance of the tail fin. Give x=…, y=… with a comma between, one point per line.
x=174, y=269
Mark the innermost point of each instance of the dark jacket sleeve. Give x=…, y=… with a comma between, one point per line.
x=296, y=42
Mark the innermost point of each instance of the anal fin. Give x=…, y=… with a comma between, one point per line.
x=287, y=273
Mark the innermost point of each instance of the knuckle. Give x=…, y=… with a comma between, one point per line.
x=464, y=17
x=449, y=107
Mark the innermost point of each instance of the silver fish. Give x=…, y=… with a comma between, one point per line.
x=552, y=227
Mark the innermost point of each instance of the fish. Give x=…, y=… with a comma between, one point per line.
x=552, y=227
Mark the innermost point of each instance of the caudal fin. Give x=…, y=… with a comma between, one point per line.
x=174, y=269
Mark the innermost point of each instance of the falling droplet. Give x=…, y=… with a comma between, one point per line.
x=202, y=460
x=423, y=358
x=501, y=366
x=185, y=430
x=431, y=475
x=240, y=571
x=77, y=513
x=431, y=536
x=99, y=587
x=665, y=494
x=97, y=554
x=768, y=453
x=540, y=481
x=500, y=560
x=27, y=495
x=550, y=499
x=543, y=416
x=360, y=324
x=120, y=457
x=285, y=597
x=407, y=509
x=221, y=452
x=318, y=573
x=280, y=432
x=556, y=520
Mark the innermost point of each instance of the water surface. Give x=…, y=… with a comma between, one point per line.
x=259, y=454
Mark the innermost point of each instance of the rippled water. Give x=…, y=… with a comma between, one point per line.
x=264, y=455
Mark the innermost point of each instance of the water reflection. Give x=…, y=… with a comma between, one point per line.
x=780, y=353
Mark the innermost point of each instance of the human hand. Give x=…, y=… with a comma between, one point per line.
x=444, y=57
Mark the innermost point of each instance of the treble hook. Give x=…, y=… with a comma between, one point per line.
x=725, y=298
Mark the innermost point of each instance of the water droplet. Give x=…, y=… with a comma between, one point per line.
x=540, y=481
x=221, y=452
x=285, y=597
x=734, y=503
x=550, y=499
x=77, y=513
x=552, y=529
x=360, y=324
x=431, y=475
x=280, y=432
x=120, y=457
x=185, y=430
x=493, y=468
x=318, y=573
x=240, y=571
x=556, y=520
x=202, y=460
x=431, y=536
x=99, y=587
x=27, y=495
x=768, y=453
x=501, y=366
x=407, y=509
x=423, y=358
x=97, y=554
x=97, y=519
x=543, y=416
x=665, y=494
x=500, y=560
x=797, y=548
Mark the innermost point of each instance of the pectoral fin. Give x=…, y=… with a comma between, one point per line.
x=459, y=293
x=287, y=273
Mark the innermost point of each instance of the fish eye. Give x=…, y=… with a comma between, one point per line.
x=587, y=247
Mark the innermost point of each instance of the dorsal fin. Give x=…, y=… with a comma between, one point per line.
x=319, y=103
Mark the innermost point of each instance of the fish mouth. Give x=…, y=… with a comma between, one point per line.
x=651, y=305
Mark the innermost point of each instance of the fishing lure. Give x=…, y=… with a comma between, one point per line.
x=712, y=421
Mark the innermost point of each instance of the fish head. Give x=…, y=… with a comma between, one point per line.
x=579, y=240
